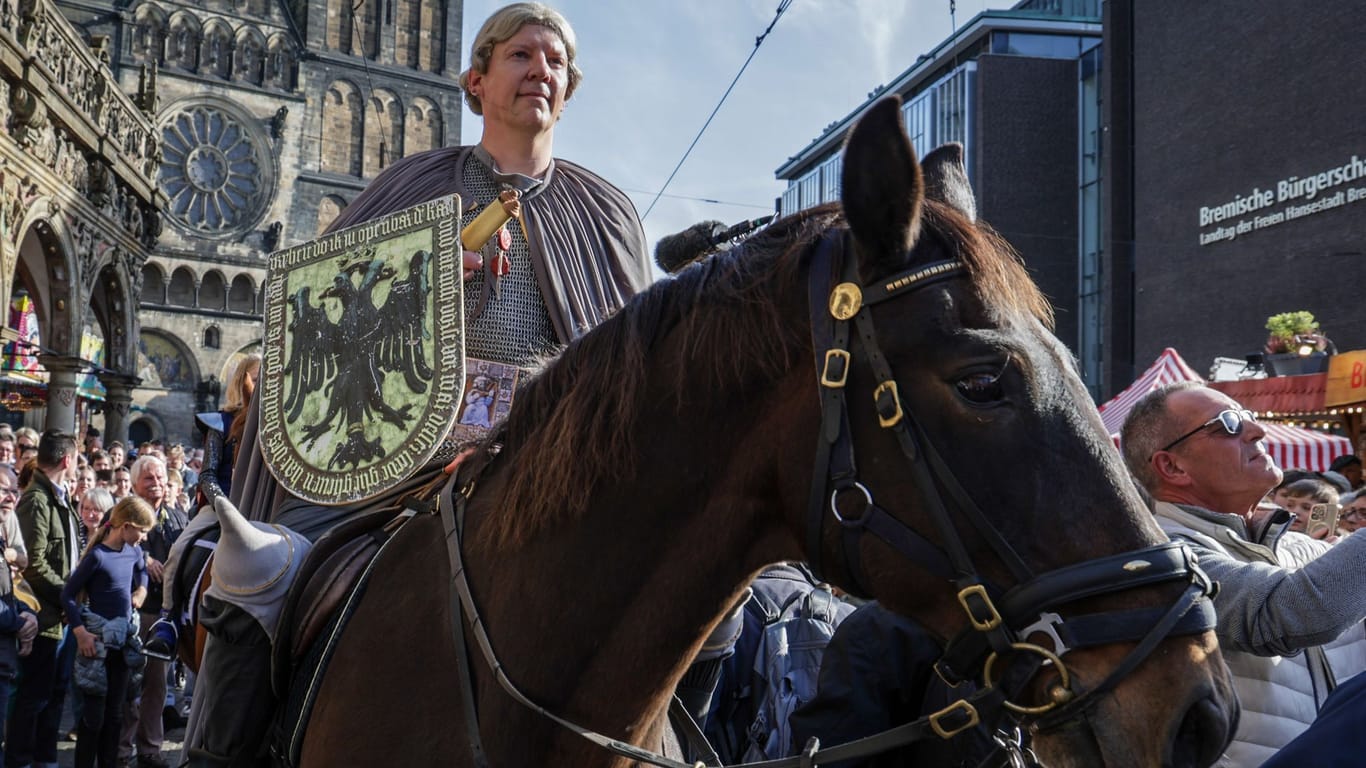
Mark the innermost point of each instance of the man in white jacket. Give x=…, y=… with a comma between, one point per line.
x=1289, y=607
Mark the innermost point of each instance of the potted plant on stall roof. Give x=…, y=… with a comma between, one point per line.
x=1295, y=346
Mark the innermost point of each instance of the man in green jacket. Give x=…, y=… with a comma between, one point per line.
x=48, y=523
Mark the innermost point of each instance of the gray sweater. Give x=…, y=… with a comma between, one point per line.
x=1281, y=596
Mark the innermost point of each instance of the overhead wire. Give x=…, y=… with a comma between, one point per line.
x=758, y=41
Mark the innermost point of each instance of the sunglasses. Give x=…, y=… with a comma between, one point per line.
x=1232, y=420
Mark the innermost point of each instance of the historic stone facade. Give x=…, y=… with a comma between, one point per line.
x=78, y=203
x=272, y=116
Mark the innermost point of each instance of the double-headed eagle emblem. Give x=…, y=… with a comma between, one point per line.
x=347, y=359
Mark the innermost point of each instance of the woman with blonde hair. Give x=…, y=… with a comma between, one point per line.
x=112, y=575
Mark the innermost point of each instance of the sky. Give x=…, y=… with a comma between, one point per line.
x=654, y=70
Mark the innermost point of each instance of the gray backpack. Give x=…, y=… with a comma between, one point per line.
x=787, y=664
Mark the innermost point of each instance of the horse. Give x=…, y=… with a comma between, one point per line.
x=663, y=459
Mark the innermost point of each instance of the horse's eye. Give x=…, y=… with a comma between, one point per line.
x=981, y=388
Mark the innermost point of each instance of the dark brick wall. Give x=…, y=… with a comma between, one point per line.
x=1027, y=178
x=1228, y=97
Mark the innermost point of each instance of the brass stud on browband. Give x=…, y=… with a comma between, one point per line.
x=846, y=299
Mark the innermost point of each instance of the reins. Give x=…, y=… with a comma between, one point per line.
x=1001, y=620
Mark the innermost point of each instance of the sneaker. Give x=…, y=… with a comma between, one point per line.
x=152, y=760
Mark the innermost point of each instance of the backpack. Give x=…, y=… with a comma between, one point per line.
x=787, y=663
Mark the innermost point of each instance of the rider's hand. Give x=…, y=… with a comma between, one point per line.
x=154, y=569
x=472, y=263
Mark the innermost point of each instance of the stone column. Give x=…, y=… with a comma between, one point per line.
x=118, y=401
x=62, y=372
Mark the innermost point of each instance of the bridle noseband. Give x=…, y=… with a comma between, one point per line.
x=1000, y=620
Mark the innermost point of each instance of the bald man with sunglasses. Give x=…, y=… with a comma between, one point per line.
x=1289, y=607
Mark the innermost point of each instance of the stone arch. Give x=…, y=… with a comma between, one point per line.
x=383, y=131
x=342, y=125
x=431, y=53
x=339, y=28
x=213, y=291
x=181, y=292
x=424, y=126
x=150, y=33
x=329, y=208
x=165, y=362
x=147, y=426
x=186, y=37
x=153, y=284
x=115, y=312
x=242, y=295
x=216, y=51
x=47, y=266
x=229, y=367
x=249, y=59
x=213, y=337
x=282, y=62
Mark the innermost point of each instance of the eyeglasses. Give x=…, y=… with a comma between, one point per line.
x=27, y=446
x=1356, y=513
x=9, y=491
x=1232, y=420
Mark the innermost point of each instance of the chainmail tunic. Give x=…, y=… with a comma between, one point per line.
x=515, y=326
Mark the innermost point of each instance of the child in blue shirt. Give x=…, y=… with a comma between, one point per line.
x=113, y=576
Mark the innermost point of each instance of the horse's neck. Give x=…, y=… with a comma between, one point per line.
x=597, y=619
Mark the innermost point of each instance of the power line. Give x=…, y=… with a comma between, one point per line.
x=782, y=8
x=711, y=200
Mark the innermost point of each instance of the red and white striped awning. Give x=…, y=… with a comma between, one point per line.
x=1297, y=448
x=1169, y=368
x=1291, y=447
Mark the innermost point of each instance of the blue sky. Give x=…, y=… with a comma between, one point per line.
x=654, y=70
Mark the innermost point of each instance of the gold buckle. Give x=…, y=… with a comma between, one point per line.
x=977, y=590
x=1059, y=694
x=945, y=733
x=888, y=421
x=835, y=354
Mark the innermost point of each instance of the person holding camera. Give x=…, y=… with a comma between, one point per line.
x=1289, y=607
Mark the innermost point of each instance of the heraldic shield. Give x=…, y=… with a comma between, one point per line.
x=364, y=353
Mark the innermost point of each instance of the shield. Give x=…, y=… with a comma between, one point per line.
x=364, y=353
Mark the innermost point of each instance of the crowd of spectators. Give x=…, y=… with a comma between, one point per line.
x=86, y=530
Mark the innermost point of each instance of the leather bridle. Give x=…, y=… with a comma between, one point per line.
x=1001, y=620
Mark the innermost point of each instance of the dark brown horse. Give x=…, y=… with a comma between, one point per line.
x=665, y=458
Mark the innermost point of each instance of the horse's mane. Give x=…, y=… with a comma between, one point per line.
x=568, y=426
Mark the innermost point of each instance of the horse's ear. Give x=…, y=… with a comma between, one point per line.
x=946, y=179
x=882, y=189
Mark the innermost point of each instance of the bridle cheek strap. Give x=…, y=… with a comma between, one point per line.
x=836, y=300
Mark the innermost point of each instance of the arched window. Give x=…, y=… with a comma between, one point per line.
x=250, y=64
x=242, y=295
x=182, y=290
x=149, y=38
x=383, y=132
x=423, y=125
x=182, y=50
x=213, y=338
x=213, y=293
x=153, y=285
x=341, y=145
x=218, y=53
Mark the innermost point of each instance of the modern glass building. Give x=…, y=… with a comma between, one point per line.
x=1020, y=89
